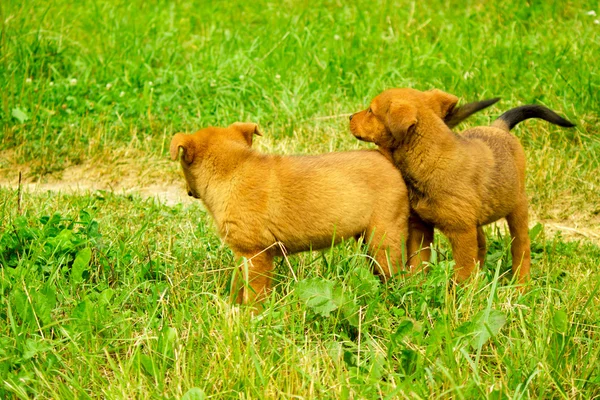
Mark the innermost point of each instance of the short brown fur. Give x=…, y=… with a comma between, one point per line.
x=259, y=201
x=456, y=183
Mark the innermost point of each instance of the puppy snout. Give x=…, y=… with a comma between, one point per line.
x=351, y=115
x=190, y=193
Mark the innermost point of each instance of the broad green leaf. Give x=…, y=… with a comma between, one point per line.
x=535, y=231
x=560, y=321
x=404, y=328
x=20, y=304
x=61, y=243
x=82, y=316
x=33, y=348
x=80, y=265
x=318, y=295
x=487, y=327
x=19, y=115
x=324, y=296
x=347, y=305
x=194, y=394
x=364, y=283
x=105, y=297
x=81, y=311
x=167, y=340
x=6, y=344
x=148, y=365
x=482, y=327
x=44, y=301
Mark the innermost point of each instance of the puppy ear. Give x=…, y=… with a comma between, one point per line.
x=441, y=102
x=248, y=129
x=401, y=116
x=182, y=141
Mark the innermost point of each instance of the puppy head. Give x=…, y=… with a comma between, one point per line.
x=395, y=113
x=209, y=143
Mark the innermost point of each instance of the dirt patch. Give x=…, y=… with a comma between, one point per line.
x=129, y=172
x=573, y=230
x=134, y=172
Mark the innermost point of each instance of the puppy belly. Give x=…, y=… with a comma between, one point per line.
x=292, y=239
x=315, y=239
x=495, y=210
x=446, y=214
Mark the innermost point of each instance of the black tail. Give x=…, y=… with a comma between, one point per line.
x=512, y=117
x=459, y=114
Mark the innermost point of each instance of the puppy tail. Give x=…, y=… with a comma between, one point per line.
x=459, y=114
x=509, y=119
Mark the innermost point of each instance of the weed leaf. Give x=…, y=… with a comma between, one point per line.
x=404, y=329
x=560, y=321
x=40, y=304
x=167, y=341
x=535, y=231
x=365, y=283
x=349, y=307
x=19, y=302
x=105, y=297
x=33, y=348
x=148, y=365
x=19, y=115
x=80, y=265
x=482, y=327
x=44, y=301
x=194, y=394
x=318, y=294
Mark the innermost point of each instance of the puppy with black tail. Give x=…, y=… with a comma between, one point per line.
x=456, y=182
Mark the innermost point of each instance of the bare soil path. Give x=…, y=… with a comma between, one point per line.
x=161, y=179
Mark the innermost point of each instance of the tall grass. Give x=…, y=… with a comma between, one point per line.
x=80, y=79
x=90, y=74
x=112, y=296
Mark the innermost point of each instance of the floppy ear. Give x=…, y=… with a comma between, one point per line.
x=181, y=140
x=248, y=129
x=401, y=116
x=441, y=102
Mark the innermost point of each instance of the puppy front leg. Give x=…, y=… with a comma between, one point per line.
x=521, y=245
x=464, y=249
x=418, y=245
x=252, y=282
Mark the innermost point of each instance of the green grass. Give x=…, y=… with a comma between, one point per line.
x=115, y=296
x=81, y=79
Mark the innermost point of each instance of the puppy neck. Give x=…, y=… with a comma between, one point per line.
x=387, y=152
x=425, y=149
x=216, y=174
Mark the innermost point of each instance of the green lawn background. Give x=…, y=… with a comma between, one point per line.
x=117, y=296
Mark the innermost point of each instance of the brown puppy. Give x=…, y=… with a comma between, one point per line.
x=264, y=205
x=457, y=183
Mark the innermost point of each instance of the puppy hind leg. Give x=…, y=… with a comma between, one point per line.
x=481, y=246
x=252, y=281
x=386, y=246
x=464, y=249
x=420, y=238
x=520, y=247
